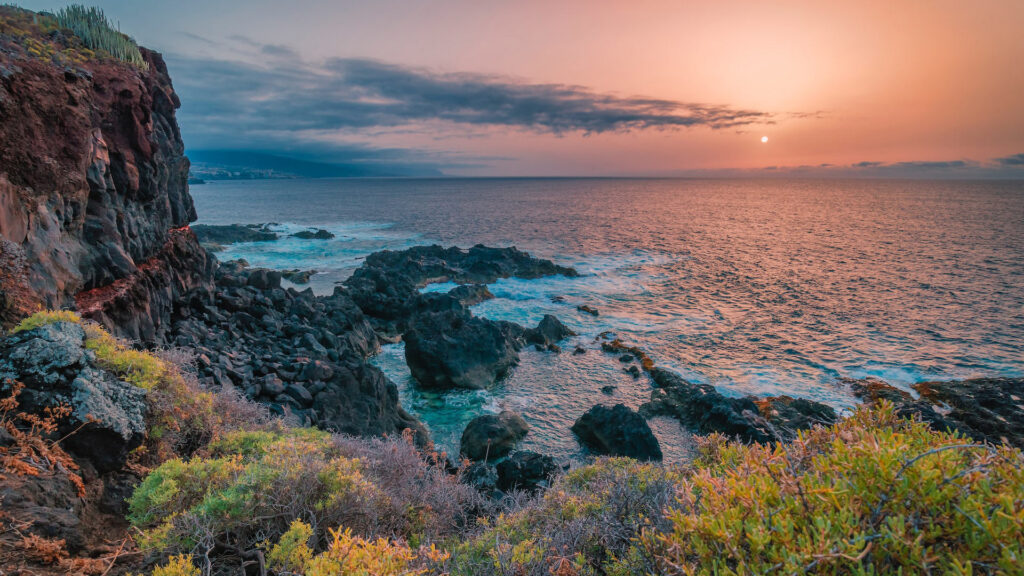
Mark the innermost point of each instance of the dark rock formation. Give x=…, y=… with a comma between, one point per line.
x=92, y=184
x=470, y=294
x=704, y=410
x=300, y=353
x=318, y=234
x=549, y=331
x=386, y=285
x=985, y=409
x=139, y=306
x=618, y=431
x=588, y=310
x=525, y=470
x=626, y=353
x=453, y=349
x=483, y=477
x=108, y=415
x=296, y=276
x=492, y=436
x=233, y=233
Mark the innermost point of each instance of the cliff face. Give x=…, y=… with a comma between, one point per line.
x=94, y=201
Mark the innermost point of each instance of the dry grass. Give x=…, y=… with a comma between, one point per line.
x=31, y=449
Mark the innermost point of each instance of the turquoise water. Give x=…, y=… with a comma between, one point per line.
x=768, y=287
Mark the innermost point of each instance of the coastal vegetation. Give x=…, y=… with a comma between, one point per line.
x=872, y=494
x=72, y=34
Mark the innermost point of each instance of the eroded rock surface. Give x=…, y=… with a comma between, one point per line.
x=93, y=182
x=704, y=410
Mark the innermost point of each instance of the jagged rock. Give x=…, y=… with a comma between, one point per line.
x=360, y=400
x=263, y=279
x=618, y=431
x=525, y=470
x=108, y=415
x=318, y=234
x=492, y=436
x=549, y=331
x=470, y=294
x=93, y=188
x=704, y=410
x=385, y=286
x=456, y=350
x=985, y=409
x=588, y=310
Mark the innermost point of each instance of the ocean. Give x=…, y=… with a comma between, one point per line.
x=755, y=286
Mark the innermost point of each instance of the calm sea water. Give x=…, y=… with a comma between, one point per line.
x=767, y=287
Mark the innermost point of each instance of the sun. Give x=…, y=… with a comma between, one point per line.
x=764, y=139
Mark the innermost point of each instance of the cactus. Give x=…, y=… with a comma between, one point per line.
x=96, y=32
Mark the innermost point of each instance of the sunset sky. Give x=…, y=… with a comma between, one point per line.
x=919, y=88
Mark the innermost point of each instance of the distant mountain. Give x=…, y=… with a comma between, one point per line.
x=247, y=164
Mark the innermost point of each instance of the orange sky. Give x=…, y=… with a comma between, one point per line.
x=885, y=81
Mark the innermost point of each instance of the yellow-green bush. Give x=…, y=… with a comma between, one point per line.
x=292, y=552
x=276, y=476
x=873, y=494
x=180, y=565
x=355, y=556
x=182, y=416
x=349, y=554
x=44, y=317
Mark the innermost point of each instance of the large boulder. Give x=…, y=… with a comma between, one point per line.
x=526, y=470
x=492, y=436
x=618, y=431
x=453, y=349
x=107, y=419
x=549, y=331
x=358, y=399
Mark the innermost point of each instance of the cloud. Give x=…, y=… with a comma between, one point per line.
x=1014, y=160
x=282, y=98
x=933, y=165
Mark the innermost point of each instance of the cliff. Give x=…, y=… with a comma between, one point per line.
x=94, y=200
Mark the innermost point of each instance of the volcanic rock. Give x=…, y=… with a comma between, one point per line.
x=618, y=431
x=492, y=436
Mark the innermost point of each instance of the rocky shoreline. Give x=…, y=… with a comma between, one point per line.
x=96, y=224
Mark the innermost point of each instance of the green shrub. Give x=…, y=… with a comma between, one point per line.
x=95, y=31
x=44, y=317
x=873, y=494
x=292, y=552
x=180, y=565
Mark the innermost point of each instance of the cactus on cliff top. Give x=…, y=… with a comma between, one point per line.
x=90, y=24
